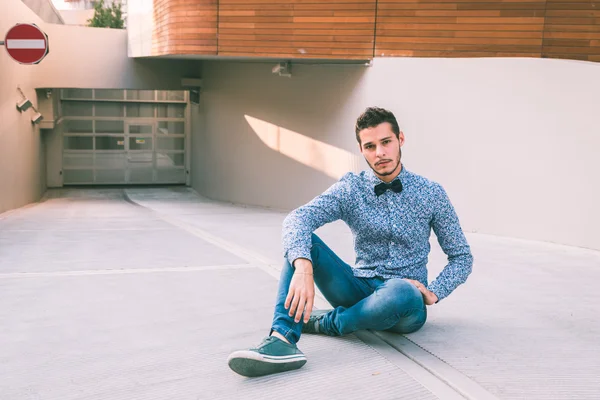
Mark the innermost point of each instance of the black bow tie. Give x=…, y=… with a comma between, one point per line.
x=395, y=186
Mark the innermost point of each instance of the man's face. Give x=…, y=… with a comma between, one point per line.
x=381, y=150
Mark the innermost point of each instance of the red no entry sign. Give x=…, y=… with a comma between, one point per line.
x=26, y=43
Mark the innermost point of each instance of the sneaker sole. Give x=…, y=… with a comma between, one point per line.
x=252, y=364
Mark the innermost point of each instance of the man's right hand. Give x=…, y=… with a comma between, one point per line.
x=301, y=293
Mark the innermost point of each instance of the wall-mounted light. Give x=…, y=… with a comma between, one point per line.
x=23, y=105
x=194, y=85
x=283, y=69
x=26, y=104
x=37, y=118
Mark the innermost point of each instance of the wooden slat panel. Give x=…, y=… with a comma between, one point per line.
x=292, y=2
x=454, y=27
x=469, y=28
x=359, y=29
x=290, y=13
x=287, y=37
x=318, y=7
x=572, y=30
x=274, y=33
x=297, y=28
x=296, y=44
x=464, y=54
x=572, y=5
x=184, y=27
x=293, y=55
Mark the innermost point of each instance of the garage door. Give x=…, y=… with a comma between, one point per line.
x=124, y=136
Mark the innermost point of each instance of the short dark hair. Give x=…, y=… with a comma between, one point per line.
x=374, y=116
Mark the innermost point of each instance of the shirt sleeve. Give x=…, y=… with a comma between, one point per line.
x=299, y=225
x=446, y=225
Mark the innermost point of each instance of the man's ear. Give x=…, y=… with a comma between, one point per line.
x=401, y=138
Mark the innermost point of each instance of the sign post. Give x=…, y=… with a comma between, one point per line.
x=26, y=44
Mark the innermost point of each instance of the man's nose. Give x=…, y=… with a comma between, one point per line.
x=380, y=151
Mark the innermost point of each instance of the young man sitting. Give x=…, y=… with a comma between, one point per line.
x=391, y=212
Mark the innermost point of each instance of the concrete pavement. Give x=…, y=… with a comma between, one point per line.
x=142, y=293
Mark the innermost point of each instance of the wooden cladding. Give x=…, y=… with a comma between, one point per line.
x=184, y=27
x=513, y=28
x=459, y=28
x=572, y=30
x=362, y=29
x=297, y=28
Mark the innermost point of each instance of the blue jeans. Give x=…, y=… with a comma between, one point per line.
x=359, y=303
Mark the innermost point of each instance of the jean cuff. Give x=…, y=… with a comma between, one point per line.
x=285, y=332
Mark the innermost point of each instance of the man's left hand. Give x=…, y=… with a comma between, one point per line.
x=429, y=297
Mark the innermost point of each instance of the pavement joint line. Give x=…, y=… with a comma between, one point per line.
x=436, y=368
x=12, y=275
x=439, y=387
x=444, y=372
x=249, y=256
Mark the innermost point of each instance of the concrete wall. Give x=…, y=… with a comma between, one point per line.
x=21, y=145
x=76, y=50
x=77, y=17
x=514, y=141
x=230, y=162
x=80, y=57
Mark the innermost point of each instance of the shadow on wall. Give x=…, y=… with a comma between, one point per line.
x=330, y=160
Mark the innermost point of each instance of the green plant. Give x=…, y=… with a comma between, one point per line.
x=107, y=16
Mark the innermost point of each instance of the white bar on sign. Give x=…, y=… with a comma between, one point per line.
x=25, y=44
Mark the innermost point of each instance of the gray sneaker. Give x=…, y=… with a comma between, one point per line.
x=271, y=356
x=312, y=326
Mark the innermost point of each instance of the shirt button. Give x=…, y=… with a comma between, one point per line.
x=395, y=226
x=391, y=243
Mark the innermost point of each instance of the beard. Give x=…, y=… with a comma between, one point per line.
x=392, y=171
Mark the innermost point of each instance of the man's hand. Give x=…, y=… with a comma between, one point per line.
x=429, y=297
x=301, y=293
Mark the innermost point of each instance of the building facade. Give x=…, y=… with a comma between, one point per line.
x=498, y=102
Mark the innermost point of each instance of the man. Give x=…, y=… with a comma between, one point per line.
x=391, y=213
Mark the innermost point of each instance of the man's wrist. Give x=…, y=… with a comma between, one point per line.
x=434, y=296
x=303, y=265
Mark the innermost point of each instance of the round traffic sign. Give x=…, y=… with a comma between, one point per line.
x=26, y=43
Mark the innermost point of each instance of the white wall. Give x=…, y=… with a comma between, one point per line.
x=77, y=17
x=514, y=141
x=140, y=27
x=230, y=162
x=97, y=58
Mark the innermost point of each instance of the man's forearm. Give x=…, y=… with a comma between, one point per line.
x=454, y=274
x=299, y=224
